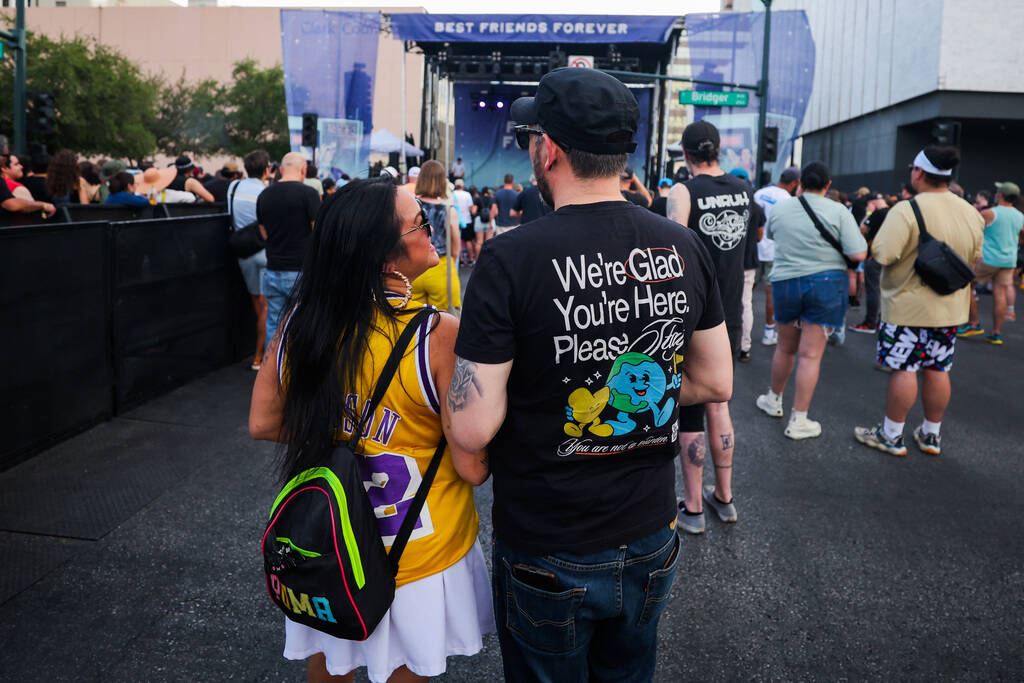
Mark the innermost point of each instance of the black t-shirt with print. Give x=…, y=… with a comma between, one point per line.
x=595, y=304
x=720, y=215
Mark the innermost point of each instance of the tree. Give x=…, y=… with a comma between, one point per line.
x=257, y=115
x=190, y=117
x=104, y=104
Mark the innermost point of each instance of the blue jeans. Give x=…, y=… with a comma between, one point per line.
x=277, y=285
x=819, y=299
x=596, y=619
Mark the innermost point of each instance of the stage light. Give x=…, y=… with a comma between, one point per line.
x=481, y=104
x=499, y=104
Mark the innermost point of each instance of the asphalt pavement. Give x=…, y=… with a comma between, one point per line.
x=131, y=552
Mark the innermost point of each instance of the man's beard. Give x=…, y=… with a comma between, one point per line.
x=542, y=181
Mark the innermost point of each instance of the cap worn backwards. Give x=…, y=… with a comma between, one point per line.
x=1008, y=189
x=582, y=109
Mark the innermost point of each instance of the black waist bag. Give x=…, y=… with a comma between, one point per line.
x=937, y=264
x=247, y=240
x=323, y=557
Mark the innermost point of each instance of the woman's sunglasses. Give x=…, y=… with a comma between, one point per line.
x=424, y=223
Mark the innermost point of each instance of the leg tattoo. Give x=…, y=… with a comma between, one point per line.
x=695, y=452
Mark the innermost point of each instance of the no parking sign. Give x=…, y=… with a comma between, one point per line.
x=581, y=61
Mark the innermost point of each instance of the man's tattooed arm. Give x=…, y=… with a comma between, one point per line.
x=463, y=382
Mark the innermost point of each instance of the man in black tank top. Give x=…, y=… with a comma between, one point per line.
x=716, y=206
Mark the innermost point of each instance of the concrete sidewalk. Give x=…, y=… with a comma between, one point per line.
x=131, y=552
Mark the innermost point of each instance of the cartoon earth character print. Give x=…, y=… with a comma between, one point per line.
x=585, y=408
x=637, y=385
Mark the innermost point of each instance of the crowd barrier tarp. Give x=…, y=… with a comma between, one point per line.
x=729, y=47
x=531, y=28
x=484, y=138
x=54, y=301
x=174, y=289
x=330, y=64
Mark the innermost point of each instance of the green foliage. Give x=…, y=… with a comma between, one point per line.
x=106, y=105
x=258, y=116
x=190, y=117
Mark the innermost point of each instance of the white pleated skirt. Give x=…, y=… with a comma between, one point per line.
x=445, y=614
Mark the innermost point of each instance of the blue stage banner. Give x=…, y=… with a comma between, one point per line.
x=728, y=47
x=330, y=63
x=530, y=28
x=484, y=138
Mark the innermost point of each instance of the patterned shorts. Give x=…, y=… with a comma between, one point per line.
x=912, y=348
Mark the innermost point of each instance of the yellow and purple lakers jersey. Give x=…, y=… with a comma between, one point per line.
x=398, y=442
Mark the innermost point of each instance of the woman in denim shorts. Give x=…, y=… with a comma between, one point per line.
x=809, y=291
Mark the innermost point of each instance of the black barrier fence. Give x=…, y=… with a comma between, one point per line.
x=78, y=213
x=105, y=315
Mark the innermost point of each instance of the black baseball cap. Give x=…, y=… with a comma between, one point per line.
x=582, y=109
x=697, y=132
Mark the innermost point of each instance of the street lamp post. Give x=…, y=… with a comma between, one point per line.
x=16, y=41
x=762, y=94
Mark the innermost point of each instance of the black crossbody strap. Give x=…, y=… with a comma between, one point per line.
x=413, y=513
x=388, y=372
x=829, y=237
x=925, y=235
x=231, y=202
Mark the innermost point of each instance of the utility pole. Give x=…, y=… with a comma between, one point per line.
x=762, y=93
x=16, y=41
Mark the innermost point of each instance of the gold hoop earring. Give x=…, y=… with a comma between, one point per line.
x=408, y=285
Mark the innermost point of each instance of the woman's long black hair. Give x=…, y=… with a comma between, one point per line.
x=335, y=304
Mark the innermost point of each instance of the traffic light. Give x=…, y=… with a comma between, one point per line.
x=309, y=121
x=557, y=59
x=946, y=132
x=44, y=113
x=771, y=144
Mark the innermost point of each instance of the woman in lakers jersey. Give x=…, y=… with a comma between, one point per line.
x=369, y=242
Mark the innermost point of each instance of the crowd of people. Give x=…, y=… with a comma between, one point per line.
x=40, y=183
x=595, y=341
x=582, y=351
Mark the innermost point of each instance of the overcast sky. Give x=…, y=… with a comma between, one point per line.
x=670, y=7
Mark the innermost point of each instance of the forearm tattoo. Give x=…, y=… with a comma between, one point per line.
x=726, y=441
x=463, y=380
x=695, y=452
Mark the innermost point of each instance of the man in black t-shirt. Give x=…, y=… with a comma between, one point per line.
x=529, y=204
x=872, y=269
x=633, y=190
x=612, y=317
x=716, y=206
x=286, y=211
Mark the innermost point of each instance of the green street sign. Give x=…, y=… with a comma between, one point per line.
x=714, y=98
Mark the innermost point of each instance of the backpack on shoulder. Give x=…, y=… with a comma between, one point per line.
x=323, y=557
x=937, y=264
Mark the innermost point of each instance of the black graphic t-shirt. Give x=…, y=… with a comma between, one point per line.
x=720, y=215
x=595, y=305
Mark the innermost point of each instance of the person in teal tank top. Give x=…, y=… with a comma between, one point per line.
x=1003, y=224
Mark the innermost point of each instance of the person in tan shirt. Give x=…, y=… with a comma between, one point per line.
x=918, y=330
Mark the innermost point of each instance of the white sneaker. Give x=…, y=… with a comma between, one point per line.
x=770, y=406
x=802, y=428
x=771, y=337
